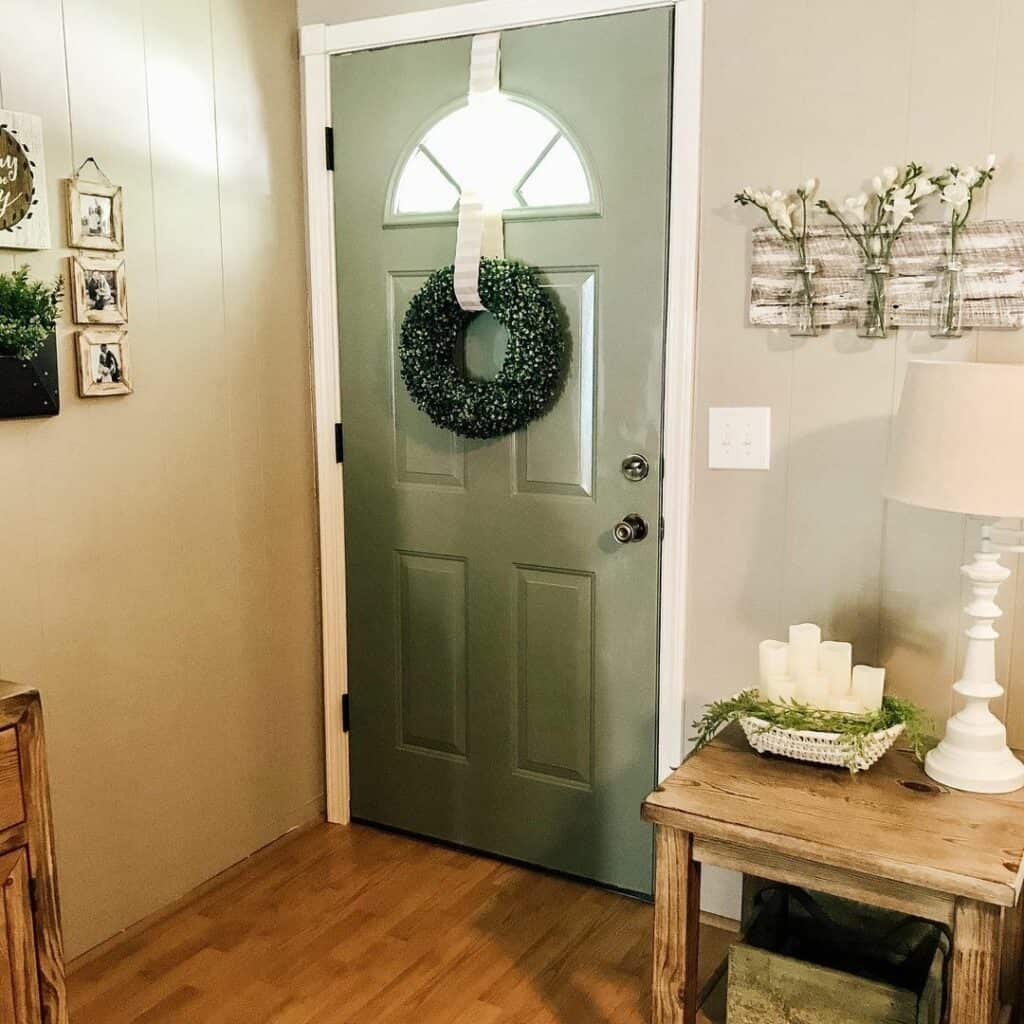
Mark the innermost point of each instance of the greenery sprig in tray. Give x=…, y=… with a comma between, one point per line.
x=856, y=733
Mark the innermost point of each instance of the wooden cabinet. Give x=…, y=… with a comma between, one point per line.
x=32, y=987
x=19, y=968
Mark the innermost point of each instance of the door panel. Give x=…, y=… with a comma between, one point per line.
x=555, y=454
x=502, y=648
x=424, y=454
x=432, y=631
x=554, y=703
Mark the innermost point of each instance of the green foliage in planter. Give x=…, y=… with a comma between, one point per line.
x=28, y=313
x=855, y=729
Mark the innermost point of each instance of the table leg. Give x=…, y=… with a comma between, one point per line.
x=676, y=927
x=1012, y=985
x=974, y=985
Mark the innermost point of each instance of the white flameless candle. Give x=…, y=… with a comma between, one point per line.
x=804, y=641
x=836, y=661
x=868, y=687
x=849, y=706
x=780, y=690
x=773, y=660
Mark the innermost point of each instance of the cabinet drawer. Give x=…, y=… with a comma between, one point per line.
x=12, y=804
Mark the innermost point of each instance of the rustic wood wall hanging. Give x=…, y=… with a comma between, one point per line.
x=992, y=253
x=24, y=217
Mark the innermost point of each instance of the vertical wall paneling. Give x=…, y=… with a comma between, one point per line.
x=158, y=549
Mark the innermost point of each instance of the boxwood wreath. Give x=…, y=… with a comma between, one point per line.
x=530, y=375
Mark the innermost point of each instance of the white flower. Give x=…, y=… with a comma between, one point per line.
x=878, y=186
x=924, y=187
x=956, y=193
x=761, y=197
x=970, y=176
x=990, y=162
x=889, y=176
x=901, y=207
x=778, y=210
x=854, y=206
x=811, y=187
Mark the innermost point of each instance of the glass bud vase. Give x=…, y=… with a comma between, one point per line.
x=947, y=303
x=873, y=320
x=802, y=317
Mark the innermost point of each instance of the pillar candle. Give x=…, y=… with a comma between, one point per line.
x=773, y=660
x=868, y=687
x=804, y=641
x=780, y=690
x=849, y=705
x=836, y=661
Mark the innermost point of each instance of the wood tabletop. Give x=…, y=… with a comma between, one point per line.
x=891, y=822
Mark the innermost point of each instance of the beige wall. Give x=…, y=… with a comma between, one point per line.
x=158, y=550
x=313, y=12
x=787, y=97
x=792, y=90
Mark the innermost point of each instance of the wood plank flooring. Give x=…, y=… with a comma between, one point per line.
x=358, y=926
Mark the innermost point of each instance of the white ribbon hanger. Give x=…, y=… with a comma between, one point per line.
x=481, y=228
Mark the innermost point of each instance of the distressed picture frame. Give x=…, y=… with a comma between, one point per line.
x=104, y=362
x=98, y=290
x=95, y=215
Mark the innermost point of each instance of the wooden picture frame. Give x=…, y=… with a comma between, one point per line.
x=24, y=214
x=95, y=215
x=104, y=362
x=98, y=290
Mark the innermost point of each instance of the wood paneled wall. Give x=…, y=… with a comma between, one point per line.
x=791, y=91
x=158, y=551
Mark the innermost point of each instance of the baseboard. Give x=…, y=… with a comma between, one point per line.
x=129, y=933
x=725, y=924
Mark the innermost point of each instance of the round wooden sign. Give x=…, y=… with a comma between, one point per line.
x=17, y=180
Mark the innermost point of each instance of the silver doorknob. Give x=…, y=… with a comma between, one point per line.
x=632, y=528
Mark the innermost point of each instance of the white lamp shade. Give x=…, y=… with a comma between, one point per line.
x=958, y=440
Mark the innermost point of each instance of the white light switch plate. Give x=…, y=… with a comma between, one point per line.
x=739, y=438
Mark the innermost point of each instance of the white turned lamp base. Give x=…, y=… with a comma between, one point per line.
x=974, y=756
x=975, y=768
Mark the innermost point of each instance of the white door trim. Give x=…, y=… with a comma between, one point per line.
x=317, y=43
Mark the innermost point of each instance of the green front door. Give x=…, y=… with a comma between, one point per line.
x=502, y=645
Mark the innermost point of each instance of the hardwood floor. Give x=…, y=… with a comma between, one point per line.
x=353, y=926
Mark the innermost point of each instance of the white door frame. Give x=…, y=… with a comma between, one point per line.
x=317, y=44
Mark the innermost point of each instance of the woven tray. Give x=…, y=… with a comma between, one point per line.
x=817, y=747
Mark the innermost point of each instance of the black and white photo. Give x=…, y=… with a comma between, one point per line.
x=95, y=215
x=98, y=290
x=104, y=366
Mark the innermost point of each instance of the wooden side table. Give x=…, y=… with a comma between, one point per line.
x=890, y=837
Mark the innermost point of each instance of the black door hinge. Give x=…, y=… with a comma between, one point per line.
x=339, y=442
x=329, y=147
x=346, y=722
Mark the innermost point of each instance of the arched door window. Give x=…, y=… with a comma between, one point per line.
x=541, y=167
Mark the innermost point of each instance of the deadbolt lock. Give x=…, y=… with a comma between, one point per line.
x=635, y=468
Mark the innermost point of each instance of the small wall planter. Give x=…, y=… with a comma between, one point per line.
x=29, y=387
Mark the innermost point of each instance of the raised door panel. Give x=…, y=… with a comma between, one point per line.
x=432, y=654
x=424, y=453
x=19, y=973
x=555, y=454
x=12, y=803
x=554, y=695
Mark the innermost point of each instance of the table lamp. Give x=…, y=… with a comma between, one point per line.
x=958, y=446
